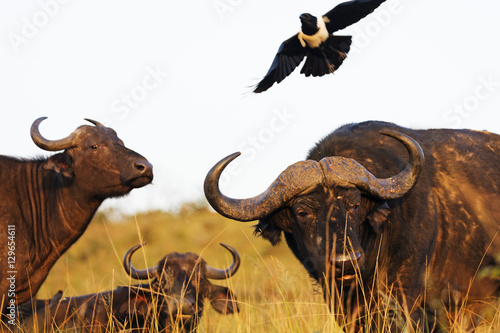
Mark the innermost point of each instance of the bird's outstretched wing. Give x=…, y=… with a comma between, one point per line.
x=289, y=56
x=349, y=12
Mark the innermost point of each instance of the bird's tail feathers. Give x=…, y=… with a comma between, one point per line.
x=328, y=57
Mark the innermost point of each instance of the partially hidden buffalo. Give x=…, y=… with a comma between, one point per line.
x=171, y=300
x=47, y=203
x=365, y=211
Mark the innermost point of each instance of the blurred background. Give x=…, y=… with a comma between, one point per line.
x=174, y=79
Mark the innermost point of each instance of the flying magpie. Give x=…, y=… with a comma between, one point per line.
x=324, y=52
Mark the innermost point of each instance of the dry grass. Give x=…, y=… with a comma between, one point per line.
x=274, y=291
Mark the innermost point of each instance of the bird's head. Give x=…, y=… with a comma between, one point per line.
x=309, y=24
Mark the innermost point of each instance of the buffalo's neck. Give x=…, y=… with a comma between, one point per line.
x=60, y=213
x=54, y=215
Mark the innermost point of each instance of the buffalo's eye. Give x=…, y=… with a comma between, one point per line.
x=94, y=147
x=354, y=207
x=302, y=213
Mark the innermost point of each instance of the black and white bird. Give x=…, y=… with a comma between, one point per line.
x=324, y=52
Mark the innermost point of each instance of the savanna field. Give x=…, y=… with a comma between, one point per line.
x=275, y=293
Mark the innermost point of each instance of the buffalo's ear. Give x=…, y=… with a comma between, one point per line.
x=223, y=300
x=271, y=227
x=378, y=216
x=61, y=163
x=56, y=298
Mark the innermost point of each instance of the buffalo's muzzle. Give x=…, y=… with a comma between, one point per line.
x=143, y=174
x=185, y=307
x=348, y=264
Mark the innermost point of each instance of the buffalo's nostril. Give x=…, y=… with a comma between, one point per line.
x=348, y=257
x=188, y=307
x=348, y=264
x=140, y=174
x=143, y=166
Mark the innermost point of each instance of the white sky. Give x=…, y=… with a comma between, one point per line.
x=419, y=64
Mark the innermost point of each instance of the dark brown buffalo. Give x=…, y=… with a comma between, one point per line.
x=48, y=202
x=171, y=300
x=358, y=215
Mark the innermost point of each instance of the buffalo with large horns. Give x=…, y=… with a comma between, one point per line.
x=171, y=299
x=47, y=203
x=366, y=211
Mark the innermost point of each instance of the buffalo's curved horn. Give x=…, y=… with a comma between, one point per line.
x=143, y=274
x=304, y=175
x=345, y=171
x=294, y=180
x=50, y=145
x=94, y=122
x=221, y=274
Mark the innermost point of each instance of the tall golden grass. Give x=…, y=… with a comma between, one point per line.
x=274, y=292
